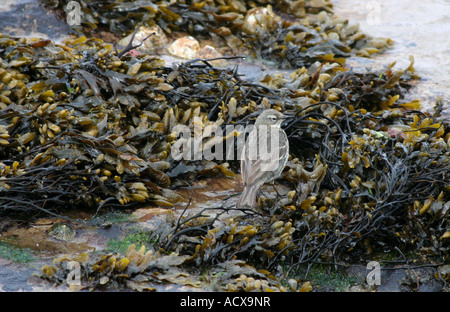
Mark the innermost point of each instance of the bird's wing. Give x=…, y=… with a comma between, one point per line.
x=284, y=149
x=254, y=170
x=244, y=166
x=284, y=144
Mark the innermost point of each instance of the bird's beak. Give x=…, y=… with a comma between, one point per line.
x=284, y=118
x=288, y=115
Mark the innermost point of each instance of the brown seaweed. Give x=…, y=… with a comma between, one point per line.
x=84, y=125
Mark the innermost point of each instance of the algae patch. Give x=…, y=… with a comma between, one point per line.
x=139, y=238
x=16, y=254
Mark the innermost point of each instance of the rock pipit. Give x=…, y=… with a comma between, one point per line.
x=264, y=155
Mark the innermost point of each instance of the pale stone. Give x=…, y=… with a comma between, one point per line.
x=185, y=47
x=152, y=44
x=209, y=52
x=260, y=19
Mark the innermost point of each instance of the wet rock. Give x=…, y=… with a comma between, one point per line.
x=62, y=232
x=153, y=44
x=259, y=20
x=185, y=47
x=209, y=52
x=144, y=214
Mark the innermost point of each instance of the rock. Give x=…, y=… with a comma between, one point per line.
x=153, y=44
x=185, y=47
x=208, y=52
x=189, y=48
x=298, y=8
x=260, y=20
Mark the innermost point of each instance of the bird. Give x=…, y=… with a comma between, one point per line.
x=259, y=166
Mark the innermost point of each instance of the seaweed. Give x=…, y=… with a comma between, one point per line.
x=83, y=124
x=307, y=33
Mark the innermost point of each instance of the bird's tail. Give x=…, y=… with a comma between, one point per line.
x=247, y=198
